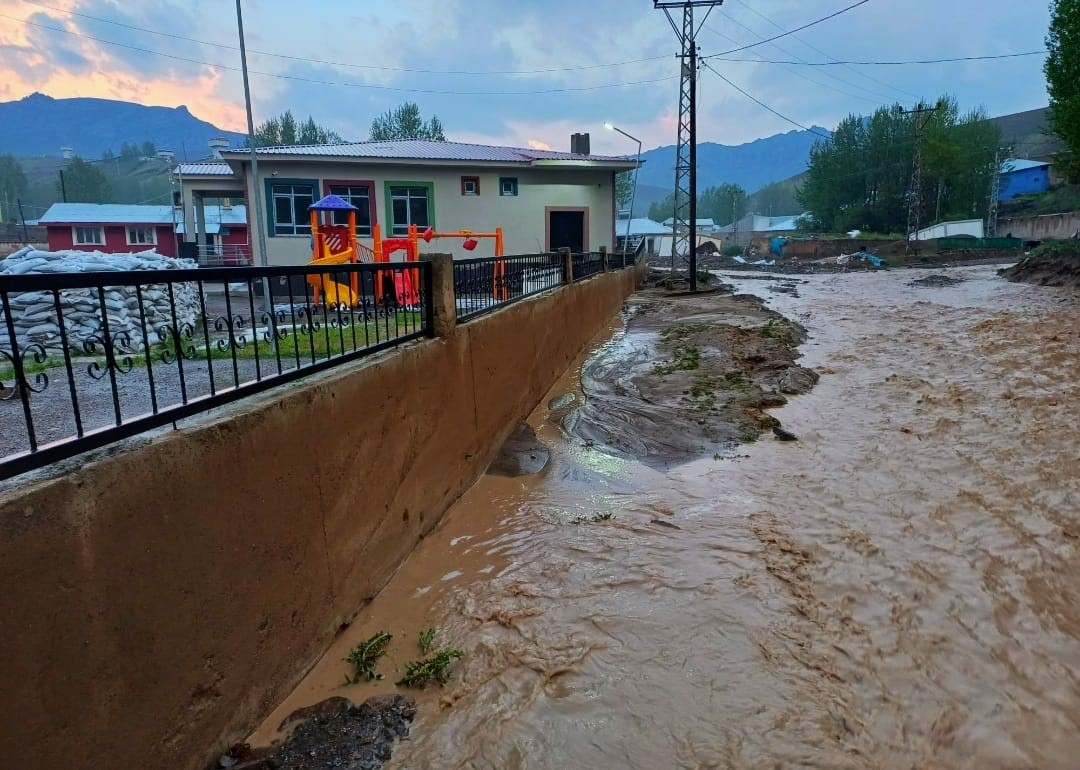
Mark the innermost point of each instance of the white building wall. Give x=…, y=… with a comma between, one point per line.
x=972, y=227
x=522, y=217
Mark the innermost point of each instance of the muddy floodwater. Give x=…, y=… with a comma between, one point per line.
x=898, y=589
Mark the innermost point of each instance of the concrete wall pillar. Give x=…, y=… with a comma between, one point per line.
x=568, y=262
x=443, y=303
x=604, y=256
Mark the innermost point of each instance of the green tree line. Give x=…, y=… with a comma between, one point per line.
x=861, y=177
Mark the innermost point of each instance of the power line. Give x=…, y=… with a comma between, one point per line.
x=345, y=84
x=767, y=107
x=377, y=67
x=719, y=57
x=821, y=83
x=877, y=96
x=790, y=31
x=814, y=48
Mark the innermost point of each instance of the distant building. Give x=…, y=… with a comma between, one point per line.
x=972, y=227
x=640, y=230
x=703, y=225
x=753, y=225
x=1023, y=177
x=117, y=227
x=542, y=199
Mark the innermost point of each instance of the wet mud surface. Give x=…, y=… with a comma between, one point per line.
x=691, y=374
x=1061, y=268
x=899, y=588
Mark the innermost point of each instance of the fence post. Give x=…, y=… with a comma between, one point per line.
x=568, y=263
x=443, y=301
x=604, y=258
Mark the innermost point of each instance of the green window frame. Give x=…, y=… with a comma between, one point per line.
x=508, y=185
x=299, y=222
x=395, y=228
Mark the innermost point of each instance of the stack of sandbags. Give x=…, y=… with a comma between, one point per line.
x=34, y=316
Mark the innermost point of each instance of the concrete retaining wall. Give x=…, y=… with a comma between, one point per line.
x=1041, y=228
x=159, y=602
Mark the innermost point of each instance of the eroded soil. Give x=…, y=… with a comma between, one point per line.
x=692, y=374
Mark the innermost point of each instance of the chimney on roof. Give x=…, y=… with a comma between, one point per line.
x=67, y=152
x=217, y=145
x=579, y=144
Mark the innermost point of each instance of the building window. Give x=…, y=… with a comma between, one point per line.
x=470, y=185
x=141, y=236
x=289, y=207
x=358, y=195
x=508, y=185
x=409, y=205
x=89, y=236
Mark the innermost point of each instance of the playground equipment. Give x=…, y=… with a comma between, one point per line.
x=337, y=245
x=333, y=245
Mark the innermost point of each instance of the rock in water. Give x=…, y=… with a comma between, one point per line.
x=522, y=454
x=784, y=435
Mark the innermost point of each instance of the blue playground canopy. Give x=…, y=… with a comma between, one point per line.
x=332, y=203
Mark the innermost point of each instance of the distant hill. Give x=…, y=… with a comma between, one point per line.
x=1026, y=133
x=752, y=165
x=40, y=125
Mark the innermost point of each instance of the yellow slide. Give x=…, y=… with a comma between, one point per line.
x=335, y=294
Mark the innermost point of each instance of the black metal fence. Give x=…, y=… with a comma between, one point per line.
x=90, y=358
x=483, y=284
x=587, y=264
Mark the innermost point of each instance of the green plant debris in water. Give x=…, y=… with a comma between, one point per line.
x=596, y=517
x=687, y=358
x=365, y=655
x=427, y=640
x=434, y=668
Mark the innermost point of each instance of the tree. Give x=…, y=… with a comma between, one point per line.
x=129, y=151
x=723, y=204
x=12, y=184
x=624, y=189
x=663, y=209
x=860, y=178
x=1062, y=70
x=149, y=149
x=284, y=131
x=405, y=122
x=85, y=183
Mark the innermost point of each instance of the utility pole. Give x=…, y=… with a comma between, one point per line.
x=995, y=192
x=22, y=217
x=63, y=187
x=914, y=211
x=256, y=198
x=684, y=222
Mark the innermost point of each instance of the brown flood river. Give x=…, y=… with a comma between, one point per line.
x=899, y=589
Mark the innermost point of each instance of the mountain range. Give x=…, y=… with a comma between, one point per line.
x=40, y=125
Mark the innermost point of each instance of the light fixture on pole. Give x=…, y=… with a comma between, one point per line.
x=633, y=194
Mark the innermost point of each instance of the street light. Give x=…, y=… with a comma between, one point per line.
x=633, y=194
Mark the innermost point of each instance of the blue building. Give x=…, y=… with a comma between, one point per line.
x=1023, y=177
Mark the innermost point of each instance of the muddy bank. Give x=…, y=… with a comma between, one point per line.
x=1051, y=265
x=691, y=375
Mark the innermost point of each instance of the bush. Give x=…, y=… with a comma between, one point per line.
x=734, y=250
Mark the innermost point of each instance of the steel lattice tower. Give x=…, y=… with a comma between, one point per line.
x=684, y=226
x=914, y=209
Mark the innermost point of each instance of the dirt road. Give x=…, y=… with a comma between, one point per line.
x=900, y=588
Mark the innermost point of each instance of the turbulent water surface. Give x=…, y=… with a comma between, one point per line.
x=899, y=589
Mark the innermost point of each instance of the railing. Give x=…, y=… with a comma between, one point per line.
x=223, y=255
x=483, y=284
x=89, y=358
x=588, y=264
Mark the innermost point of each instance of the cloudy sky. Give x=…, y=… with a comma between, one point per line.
x=522, y=71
